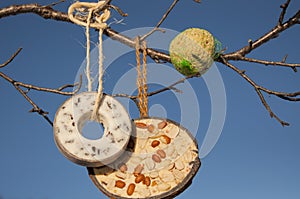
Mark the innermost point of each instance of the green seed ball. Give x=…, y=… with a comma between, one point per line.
x=192, y=51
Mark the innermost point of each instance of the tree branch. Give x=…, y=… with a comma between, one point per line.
x=18, y=86
x=11, y=58
x=259, y=89
x=279, y=28
x=161, y=20
x=282, y=14
x=170, y=87
x=35, y=108
x=273, y=63
x=47, y=12
x=49, y=90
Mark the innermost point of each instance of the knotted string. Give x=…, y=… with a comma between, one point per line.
x=142, y=78
x=99, y=23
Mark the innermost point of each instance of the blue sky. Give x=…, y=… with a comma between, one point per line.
x=254, y=158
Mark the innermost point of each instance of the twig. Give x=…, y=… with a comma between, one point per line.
x=237, y=55
x=161, y=20
x=35, y=108
x=259, y=90
x=78, y=85
x=11, y=58
x=266, y=105
x=282, y=14
x=273, y=63
x=119, y=10
x=55, y=3
x=18, y=86
x=170, y=87
x=49, y=90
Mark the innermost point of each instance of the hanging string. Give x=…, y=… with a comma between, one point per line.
x=98, y=23
x=88, y=47
x=142, y=78
x=145, y=86
x=100, y=78
x=139, y=75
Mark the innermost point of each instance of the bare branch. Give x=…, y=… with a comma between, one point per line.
x=157, y=56
x=78, y=85
x=237, y=55
x=11, y=58
x=55, y=3
x=35, y=108
x=259, y=89
x=273, y=63
x=49, y=13
x=119, y=10
x=266, y=105
x=134, y=98
x=49, y=90
x=161, y=20
x=45, y=12
x=282, y=14
x=171, y=87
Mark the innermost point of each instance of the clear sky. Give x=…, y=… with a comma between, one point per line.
x=255, y=156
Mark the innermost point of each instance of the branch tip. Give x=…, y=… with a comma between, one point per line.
x=55, y=3
x=283, y=12
x=11, y=58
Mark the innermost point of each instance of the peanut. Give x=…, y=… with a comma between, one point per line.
x=156, y=158
x=154, y=174
x=147, y=181
x=163, y=187
x=166, y=139
x=155, y=143
x=151, y=128
x=139, y=178
x=138, y=169
x=178, y=174
x=130, y=189
x=172, y=130
x=161, y=153
x=149, y=164
x=166, y=176
x=179, y=165
x=162, y=125
x=120, y=184
x=188, y=157
x=141, y=125
x=154, y=183
x=121, y=175
x=123, y=168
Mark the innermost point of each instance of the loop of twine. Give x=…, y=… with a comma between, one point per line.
x=142, y=78
x=97, y=22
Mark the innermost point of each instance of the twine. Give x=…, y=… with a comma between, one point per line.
x=145, y=86
x=142, y=78
x=98, y=23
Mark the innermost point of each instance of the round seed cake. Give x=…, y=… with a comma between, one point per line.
x=160, y=162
